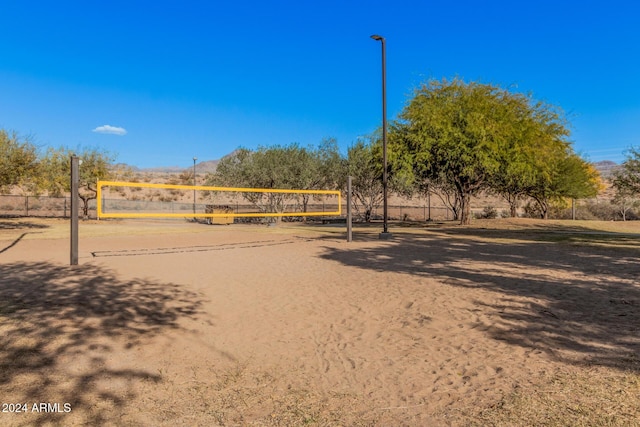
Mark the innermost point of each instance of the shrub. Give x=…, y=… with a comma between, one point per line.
x=489, y=212
x=531, y=210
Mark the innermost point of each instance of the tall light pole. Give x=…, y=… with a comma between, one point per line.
x=194, y=184
x=75, y=163
x=385, y=231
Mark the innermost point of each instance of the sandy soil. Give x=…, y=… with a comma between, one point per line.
x=171, y=323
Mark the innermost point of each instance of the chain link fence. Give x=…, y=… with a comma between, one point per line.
x=60, y=207
x=40, y=206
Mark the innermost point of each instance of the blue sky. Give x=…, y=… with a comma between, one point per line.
x=178, y=79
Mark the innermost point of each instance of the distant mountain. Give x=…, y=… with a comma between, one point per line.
x=207, y=166
x=211, y=165
x=606, y=168
x=165, y=169
x=118, y=166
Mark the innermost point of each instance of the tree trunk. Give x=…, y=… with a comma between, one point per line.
x=85, y=206
x=544, y=210
x=465, y=209
x=543, y=204
x=513, y=207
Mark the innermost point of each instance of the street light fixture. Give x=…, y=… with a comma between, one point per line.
x=194, y=184
x=385, y=232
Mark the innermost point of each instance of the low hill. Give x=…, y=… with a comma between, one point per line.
x=606, y=168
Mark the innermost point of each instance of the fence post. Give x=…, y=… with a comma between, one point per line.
x=26, y=205
x=349, y=217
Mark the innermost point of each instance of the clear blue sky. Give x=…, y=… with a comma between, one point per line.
x=201, y=78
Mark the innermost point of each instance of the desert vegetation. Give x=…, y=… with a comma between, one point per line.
x=460, y=142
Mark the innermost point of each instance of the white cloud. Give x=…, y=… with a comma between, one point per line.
x=114, y=130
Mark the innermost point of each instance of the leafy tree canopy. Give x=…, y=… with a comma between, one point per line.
x=55, y=171
x=365, y=167
x=469, y=137
x=627, y=178
x=18, y=160
x=459, y=133
x=281, y=167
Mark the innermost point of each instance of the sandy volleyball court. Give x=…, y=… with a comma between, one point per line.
x=171, y=323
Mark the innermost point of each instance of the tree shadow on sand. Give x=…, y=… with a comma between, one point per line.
x=573, y=234
x=60, y=325
x=578, y=301
x=20, y=225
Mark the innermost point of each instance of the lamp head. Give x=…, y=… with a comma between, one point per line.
x=377, y=37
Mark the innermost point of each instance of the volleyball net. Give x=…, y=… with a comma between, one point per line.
x=150, y=200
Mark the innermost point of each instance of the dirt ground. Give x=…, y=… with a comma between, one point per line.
x=177, y=323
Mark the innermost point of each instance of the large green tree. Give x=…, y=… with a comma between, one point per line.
x=472, y=137
x=55, y=172
x=316, y=168
x=626, y=183
x=564, y=175
x=281, y=167
x=537, y=137
x=409, y=177
x=18, y=161
x=365, y=167
x=627, y=177
x=457, y=133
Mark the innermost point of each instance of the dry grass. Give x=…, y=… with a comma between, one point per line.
x=240, y=396
x=581, y=398
x=588, y=397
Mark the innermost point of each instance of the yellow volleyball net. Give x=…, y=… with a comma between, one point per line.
x=117, y=199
